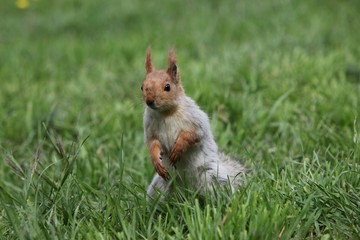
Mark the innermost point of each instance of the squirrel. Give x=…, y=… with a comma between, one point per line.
x=177, y=133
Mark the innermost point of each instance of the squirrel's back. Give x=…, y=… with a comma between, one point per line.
x=202, y=161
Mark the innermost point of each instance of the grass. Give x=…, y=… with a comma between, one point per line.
x=279, y=79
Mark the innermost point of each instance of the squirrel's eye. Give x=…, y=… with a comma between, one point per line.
x=167, y=87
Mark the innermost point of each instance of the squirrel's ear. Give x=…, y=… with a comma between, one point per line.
x=172, y=68
x=148, y=65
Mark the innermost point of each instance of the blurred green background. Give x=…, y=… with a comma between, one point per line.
x=279, y=79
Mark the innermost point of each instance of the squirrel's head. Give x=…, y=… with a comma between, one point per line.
x=161, y=89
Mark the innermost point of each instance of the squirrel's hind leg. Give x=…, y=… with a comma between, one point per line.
x=158, y=188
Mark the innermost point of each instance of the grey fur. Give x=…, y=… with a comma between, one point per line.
x=203, y=165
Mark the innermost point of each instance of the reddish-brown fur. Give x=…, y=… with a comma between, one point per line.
x=155, y=154
x=185, y=140
x=155, y=81
x=148, y=65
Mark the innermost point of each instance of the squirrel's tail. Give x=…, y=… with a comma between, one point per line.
x=235, y=170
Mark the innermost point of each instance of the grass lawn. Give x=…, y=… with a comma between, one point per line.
x=279, y=79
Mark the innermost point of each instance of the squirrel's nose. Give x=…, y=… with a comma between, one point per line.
x=150, y=103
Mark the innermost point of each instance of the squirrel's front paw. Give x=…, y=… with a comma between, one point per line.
x=161, y=170
x=174, y=156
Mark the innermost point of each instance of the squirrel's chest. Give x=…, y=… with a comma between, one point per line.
x=167, y=130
